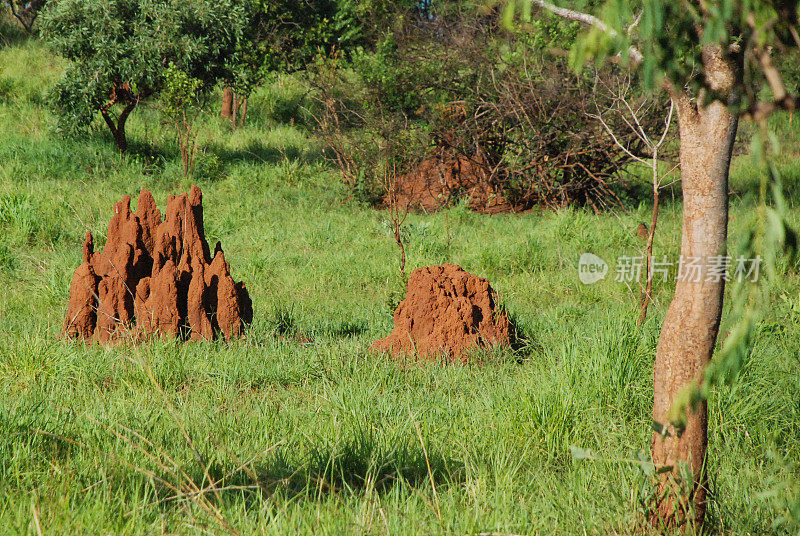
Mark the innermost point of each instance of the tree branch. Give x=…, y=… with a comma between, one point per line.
x=635, y=22
x=616, y=141
x=771, y=73
x=19, y=15
x=109, y=120
x=762, y=110
x=669, y=120
x=682, y=101
x=589, y=20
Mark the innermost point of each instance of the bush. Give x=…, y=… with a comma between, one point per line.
x=455, y=87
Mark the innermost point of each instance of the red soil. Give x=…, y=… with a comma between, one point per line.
x=440, y=180
x=156, y=277
x=447, y=311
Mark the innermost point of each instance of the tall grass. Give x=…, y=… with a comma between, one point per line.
x=299, y=429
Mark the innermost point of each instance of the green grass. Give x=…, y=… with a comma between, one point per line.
x=338, y=440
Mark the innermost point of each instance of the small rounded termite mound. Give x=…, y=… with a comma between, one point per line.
x=446, y=312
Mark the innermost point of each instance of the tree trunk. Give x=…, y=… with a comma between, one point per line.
x=118, y=128
x=243, y=115
x=690, y=328
x=647, y=292
x=227, y=102
x=121, y=140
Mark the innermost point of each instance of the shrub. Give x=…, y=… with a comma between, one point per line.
x=456, y=87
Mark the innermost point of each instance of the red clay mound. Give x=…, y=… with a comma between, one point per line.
x=441, y=179
x=156, y=277
x=447, y=311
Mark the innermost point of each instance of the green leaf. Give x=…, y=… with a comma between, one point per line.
x=508, y=14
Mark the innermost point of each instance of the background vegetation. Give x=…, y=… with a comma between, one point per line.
x=312, y=433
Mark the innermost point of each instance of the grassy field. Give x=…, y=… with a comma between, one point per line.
x=302, y=429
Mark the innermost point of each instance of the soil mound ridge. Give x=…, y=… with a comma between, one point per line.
x=156, y=276
x=447, y=311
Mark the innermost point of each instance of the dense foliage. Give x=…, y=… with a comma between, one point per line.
x=296, y=32
x=457, y=85
x=287, y=35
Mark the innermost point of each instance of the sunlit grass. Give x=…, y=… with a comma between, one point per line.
x=335, y=439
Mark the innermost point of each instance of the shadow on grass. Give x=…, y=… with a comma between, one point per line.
x=11, y=32
x=260, y=153
x=639, y=191
x=746, y=184
x=256, y=153
x=360, y=464
x=341, y=329
x=524, y=343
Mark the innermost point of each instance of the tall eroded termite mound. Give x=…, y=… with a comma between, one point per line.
x=448, y=312
x=156, y=276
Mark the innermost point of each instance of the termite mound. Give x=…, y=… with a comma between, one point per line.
x=156, y=277
x=446, y=312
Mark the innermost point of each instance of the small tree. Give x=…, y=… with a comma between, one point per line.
x=398, y=210
x=288, y=35
x=651, y=153
x=119, y=51
x=281, y=36
x=181, y=104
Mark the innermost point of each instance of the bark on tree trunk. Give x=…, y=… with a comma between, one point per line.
x=690, y=328
x=121, y=140
x=227, y=102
